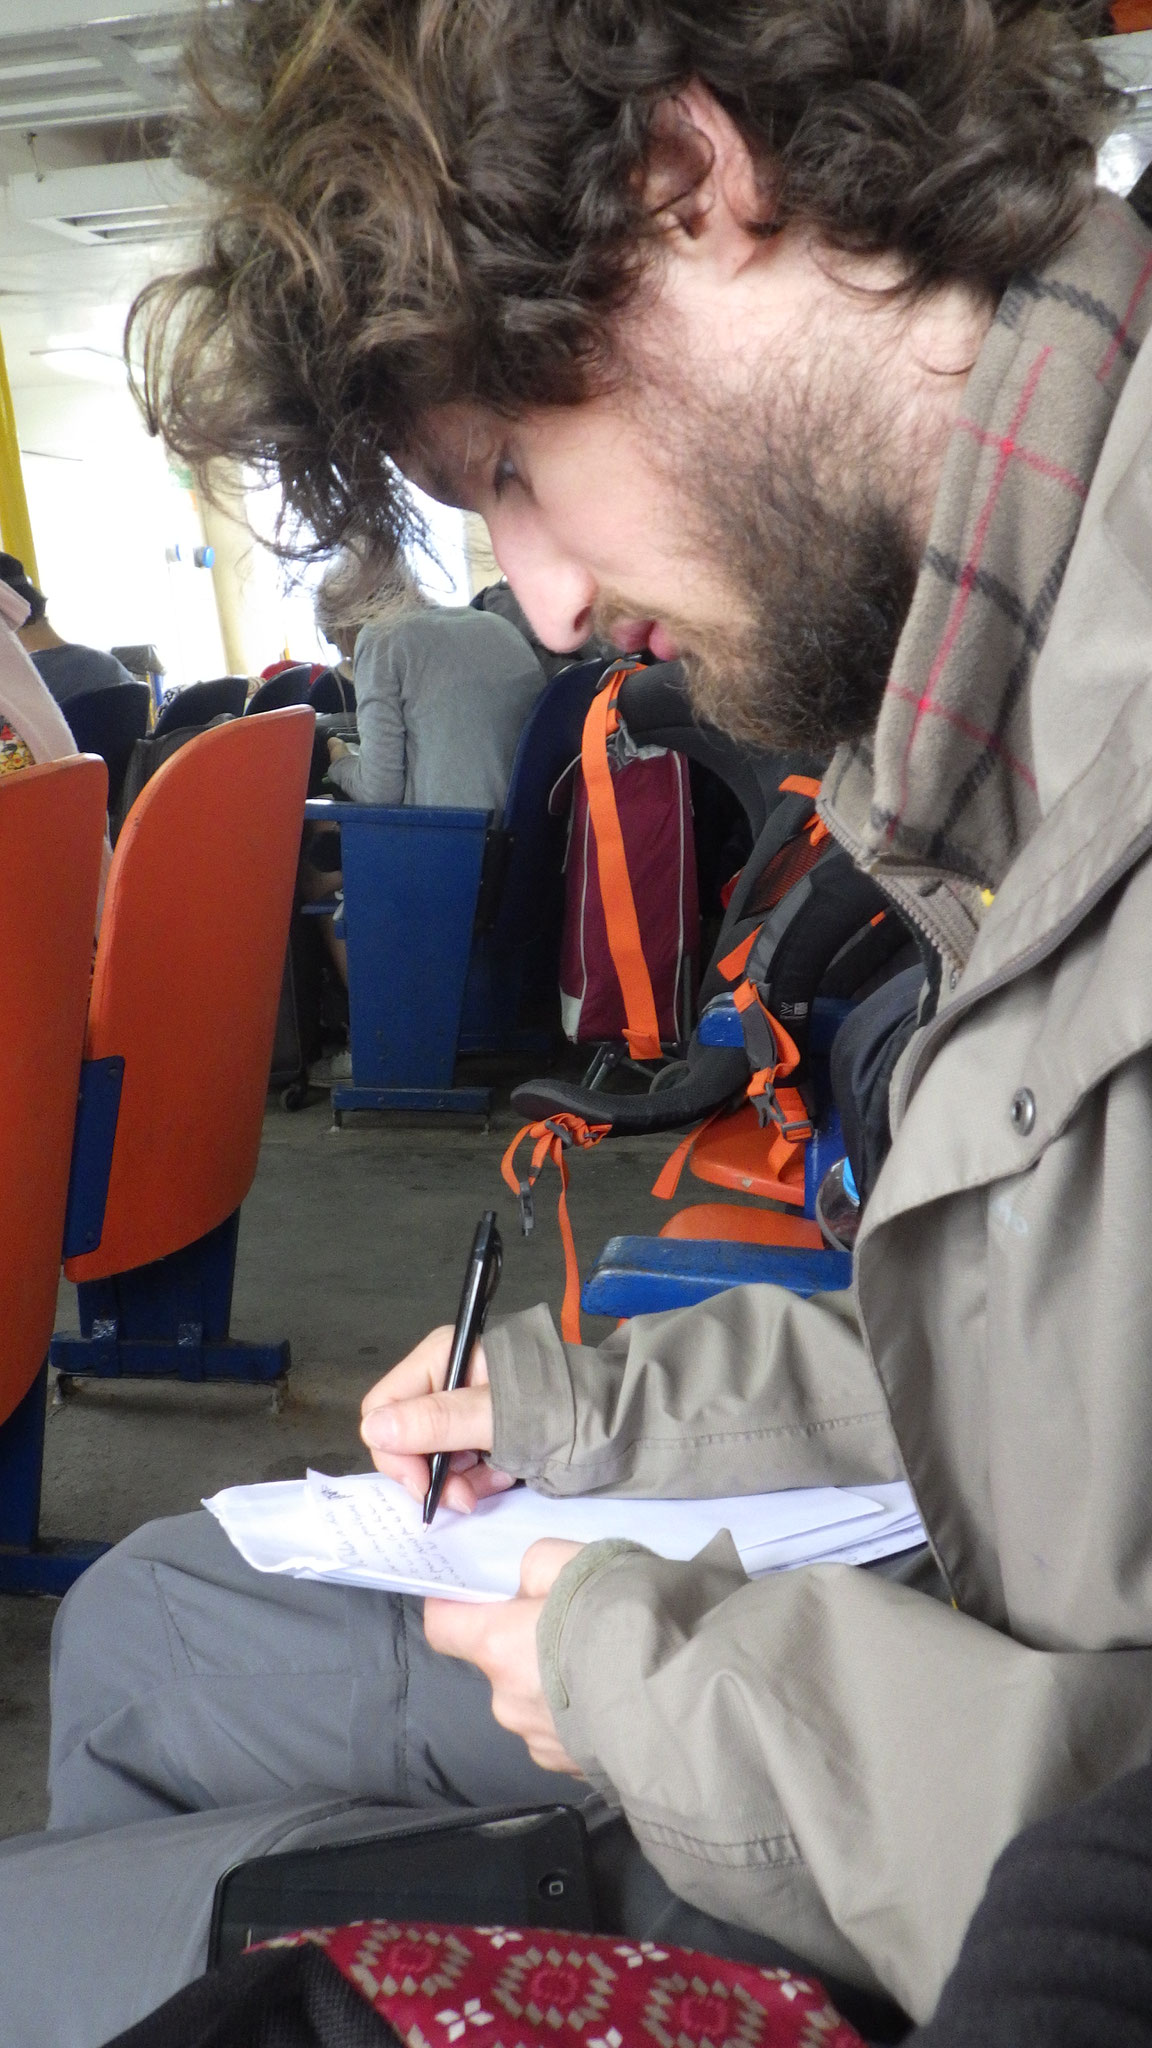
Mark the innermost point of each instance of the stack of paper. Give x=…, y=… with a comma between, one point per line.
x=366, y=1531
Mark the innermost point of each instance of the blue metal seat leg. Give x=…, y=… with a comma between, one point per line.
x=30, y=1563
x=169, y=1319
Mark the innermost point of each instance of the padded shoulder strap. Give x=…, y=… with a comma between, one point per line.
x=717, y=1075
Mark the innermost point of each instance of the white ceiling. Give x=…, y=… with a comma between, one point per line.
x=96, y=71
x=17, y=16
x=89, y=206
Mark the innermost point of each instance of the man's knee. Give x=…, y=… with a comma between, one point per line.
x=114, y=1603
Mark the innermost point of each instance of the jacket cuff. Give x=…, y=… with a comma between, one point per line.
x=588, y=1607
x=588, y=1564
x=533, y=1408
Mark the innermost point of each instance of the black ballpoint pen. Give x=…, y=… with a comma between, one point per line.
x=484, y=1263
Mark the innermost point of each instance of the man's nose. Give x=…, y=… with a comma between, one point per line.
x=555, y=592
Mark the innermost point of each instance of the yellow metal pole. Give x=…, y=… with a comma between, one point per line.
x=15, y=525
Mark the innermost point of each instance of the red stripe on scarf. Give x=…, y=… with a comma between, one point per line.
x=979, y=538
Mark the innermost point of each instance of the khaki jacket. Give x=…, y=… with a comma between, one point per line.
x=829, y=1755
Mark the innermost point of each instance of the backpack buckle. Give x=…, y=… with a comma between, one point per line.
x=797, y=1129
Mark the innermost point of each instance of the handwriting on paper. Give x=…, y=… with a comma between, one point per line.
x=367, y=1529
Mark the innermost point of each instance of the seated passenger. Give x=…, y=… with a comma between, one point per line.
x=31, y=726
x=68, y=668
x=795, y=340
x=442, y=693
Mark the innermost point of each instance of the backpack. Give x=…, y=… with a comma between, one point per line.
x=802, y=922
x=631, y=929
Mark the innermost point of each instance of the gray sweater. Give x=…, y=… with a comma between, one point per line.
x=441, y=699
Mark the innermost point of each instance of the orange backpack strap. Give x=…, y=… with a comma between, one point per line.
x=668, y=1179
x=553, y=1138
x=642, y=1029
x=736, y=961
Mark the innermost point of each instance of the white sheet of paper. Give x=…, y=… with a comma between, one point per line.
x=364, y=1530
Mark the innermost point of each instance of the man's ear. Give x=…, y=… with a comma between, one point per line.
x=701, y=183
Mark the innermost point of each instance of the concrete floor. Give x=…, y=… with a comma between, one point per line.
x=352, y=1245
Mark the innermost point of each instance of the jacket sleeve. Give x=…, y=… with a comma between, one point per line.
x=750, y=1391
x=829, y=1723
x=376, y=774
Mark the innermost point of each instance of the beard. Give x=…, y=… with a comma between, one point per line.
x=819, y=558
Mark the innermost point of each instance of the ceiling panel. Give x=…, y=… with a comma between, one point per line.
x=93, y=71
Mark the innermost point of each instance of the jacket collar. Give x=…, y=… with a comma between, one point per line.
x=1091, y=711
x=1092, y=737
x=932, y=809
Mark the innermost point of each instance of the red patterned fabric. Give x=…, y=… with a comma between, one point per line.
x=504, y=1987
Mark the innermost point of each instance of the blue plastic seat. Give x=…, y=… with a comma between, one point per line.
x=279, y=692
x=109, y=723
x=332, y=692
x=449, y=915
x=200, y=703
x=636, y=1275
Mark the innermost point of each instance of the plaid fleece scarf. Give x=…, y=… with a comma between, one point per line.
x=940, y=800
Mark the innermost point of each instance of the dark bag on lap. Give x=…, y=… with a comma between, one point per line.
x=277, y=1998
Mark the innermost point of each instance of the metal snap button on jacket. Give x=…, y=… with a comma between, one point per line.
x=1023, y=1112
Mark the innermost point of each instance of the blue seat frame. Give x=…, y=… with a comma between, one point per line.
x=30, y=1562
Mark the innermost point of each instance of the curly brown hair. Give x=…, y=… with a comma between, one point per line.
x=420, y=201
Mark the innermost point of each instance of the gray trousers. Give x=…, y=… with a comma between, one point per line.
x=203, y=1713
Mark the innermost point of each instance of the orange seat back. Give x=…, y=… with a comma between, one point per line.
x=51, y=836
x=187, y=981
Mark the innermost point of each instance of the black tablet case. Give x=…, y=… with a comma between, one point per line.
x=516, y=1867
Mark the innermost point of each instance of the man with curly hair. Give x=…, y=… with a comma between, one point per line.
x=789, y=337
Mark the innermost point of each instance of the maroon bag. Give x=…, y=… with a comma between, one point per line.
x=648, y=877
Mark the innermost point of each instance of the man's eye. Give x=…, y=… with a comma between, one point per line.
x=503, y=474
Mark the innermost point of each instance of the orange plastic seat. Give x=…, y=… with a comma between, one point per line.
x=187, y=982
x=733, y=1153
x=737, y=1225
x=51, y=832
x=51, y=836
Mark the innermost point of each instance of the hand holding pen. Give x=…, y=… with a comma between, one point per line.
x=409, y=1415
